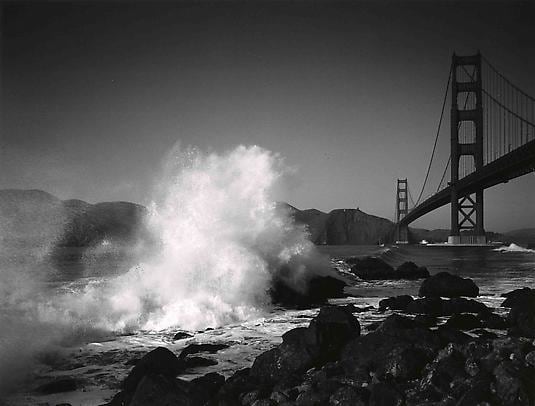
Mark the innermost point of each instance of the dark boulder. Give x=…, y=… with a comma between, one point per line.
x=159, y=361
x=430, y=306
x=316, y=291
x=463, y=321
x=436, y=306
x=303, y=348
x=444, y=284
x=374, y=268
x=521, y=318
x=159, y=390
x=409, y=270
x=522, y=322
x=524, y=297
x=395, y=303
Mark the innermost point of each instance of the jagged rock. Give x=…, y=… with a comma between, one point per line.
x=395, y=303
x=444, y=284
x=387, y=348
x=303, y=348
x=58, y=386
x=514, y=385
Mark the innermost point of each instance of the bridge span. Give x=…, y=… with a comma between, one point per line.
x=492, y=140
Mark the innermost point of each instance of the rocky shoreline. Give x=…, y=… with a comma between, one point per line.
x=443, y=347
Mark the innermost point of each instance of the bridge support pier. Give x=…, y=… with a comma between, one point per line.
x=402, y=208
x=466, y=210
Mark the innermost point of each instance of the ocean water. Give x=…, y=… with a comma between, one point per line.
x=99, y=358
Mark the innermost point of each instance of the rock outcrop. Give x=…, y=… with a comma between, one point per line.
x=444, y=284
x=374, y=268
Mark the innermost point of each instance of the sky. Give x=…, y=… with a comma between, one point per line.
x=94, y=94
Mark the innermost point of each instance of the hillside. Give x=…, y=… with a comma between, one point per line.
x=37, y=218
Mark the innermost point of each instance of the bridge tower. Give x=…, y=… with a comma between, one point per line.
x=466, y=211
x=402, y=208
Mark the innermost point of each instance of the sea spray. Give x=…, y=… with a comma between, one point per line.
x=223, y=240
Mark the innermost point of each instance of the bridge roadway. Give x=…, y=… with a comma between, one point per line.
x=512, y=165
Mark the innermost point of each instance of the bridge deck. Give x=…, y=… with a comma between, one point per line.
x=512, y=165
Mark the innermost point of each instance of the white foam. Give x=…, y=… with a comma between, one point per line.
x=514, y=248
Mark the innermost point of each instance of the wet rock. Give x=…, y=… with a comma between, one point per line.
x=395, y=303
x=387, y=350
x=431, y=306
x=159, y=390
x=371, y=268
x=463, y=321
x=444, y=284
x=303, y=348
x=374, y=268
x=524, y=297
x=58, y=386
x=202, y=389
x=196, y=348
x=317, y=291
x=447, y=366
x=493, y=321
x=436, y=306
x=182, y=335
x=159, y=361
x=522, y=322
x=409, y=270
x=426, y=320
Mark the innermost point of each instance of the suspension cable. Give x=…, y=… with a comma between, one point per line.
x=436, y=137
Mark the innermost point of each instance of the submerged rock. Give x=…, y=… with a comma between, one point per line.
x=444, y=284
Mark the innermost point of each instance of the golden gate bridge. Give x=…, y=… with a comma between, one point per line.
x=492, y=140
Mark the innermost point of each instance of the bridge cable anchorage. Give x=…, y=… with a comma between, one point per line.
x=436, y=137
